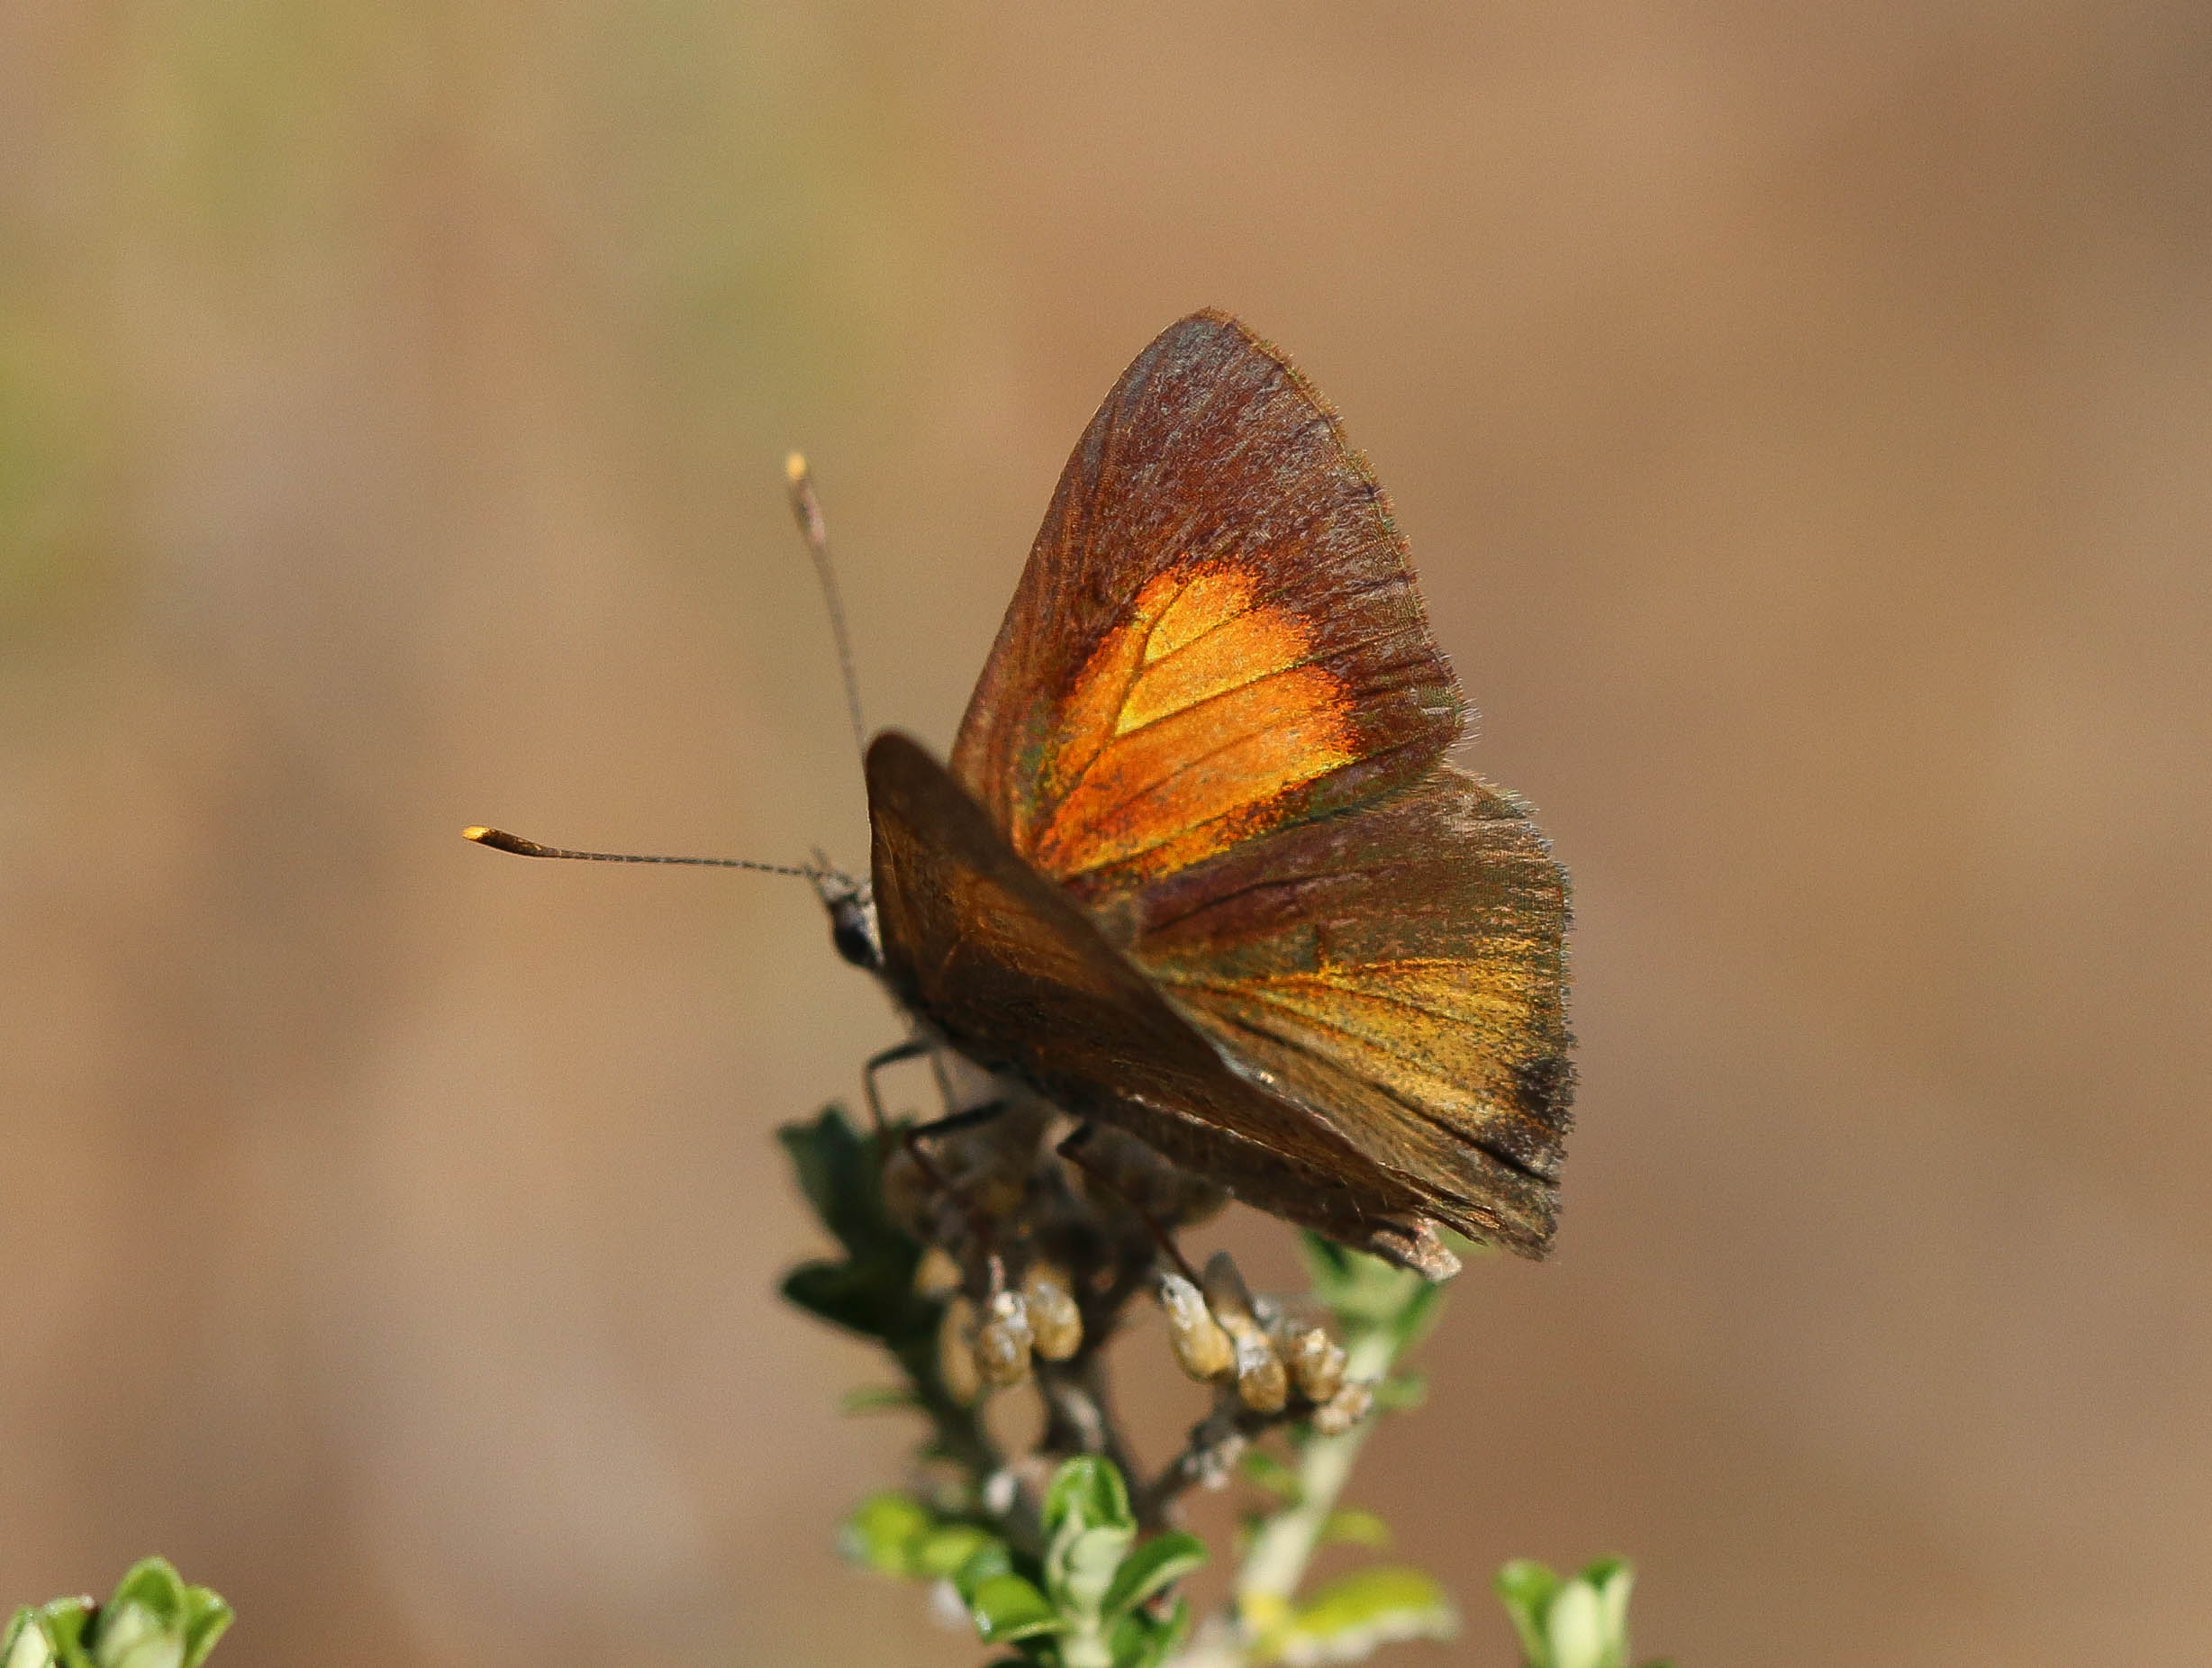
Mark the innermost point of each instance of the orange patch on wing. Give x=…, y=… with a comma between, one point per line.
x=1197, y=602
x=1190, y=719
x=1242, y=652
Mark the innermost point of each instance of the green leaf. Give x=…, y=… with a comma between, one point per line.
x=1087, y=1489
x=1263, y=1470
x=993, y=1558
x=1348, y=1525
x=53, y=1633
x=1326, y=1261
x=1401, y=1392
x=1614, y=1579
x=25, y=1645
x=1351, y=1615
x=1574, y=1629
x=155, y=1620
x=1142, y=1640
x=154, y=1585
x=1466, y=1249
x=883, y=1530
x=1526, y=1589
x=1152, y=1568
x=1088, y=1528
x=943, y=1551
x=1366, y=1294
x=207, y=1618
x=837, y=1172
x=1006, y=1608
x=132, y=1635
x=1589, y=1620
x=871, y=1292
x=874, y=1297
x=1080, y=1566
x=1423, y=1307
x=1362, y=1290
x=1582, y=1622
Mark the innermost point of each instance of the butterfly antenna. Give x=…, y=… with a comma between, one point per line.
x=499, y=839
x=807, y=508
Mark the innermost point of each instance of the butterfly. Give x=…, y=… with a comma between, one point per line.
x=1198, y=867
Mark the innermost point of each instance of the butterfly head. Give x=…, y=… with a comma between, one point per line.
x=851, y=904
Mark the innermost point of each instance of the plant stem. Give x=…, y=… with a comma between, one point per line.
x=960, y=1434
x=1285, y=1543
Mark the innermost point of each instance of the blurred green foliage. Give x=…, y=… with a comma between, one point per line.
x=1069, y=1580
x=1096, y=1598
x=871, y=1291
x=154, y=1620
x=1578, y=1621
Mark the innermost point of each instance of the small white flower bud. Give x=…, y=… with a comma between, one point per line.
x=1344, y=1410
x=1201, y=1347
x=1055, y=1321
x=1316, y=1365
x=1262, y=1383
x=1002, y=1341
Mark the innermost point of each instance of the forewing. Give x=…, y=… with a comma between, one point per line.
x=1217, y=633
x=1403, y=971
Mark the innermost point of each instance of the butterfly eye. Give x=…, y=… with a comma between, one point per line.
x=853, y=944
x=852, y=929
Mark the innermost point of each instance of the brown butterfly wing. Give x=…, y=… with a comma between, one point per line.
x=1215, y=715
x=1013, y=973
x=1217, y=633
x=1402, y=969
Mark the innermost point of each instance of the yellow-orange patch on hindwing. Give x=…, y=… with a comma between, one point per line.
x=1189, y=720
x=1443, y=1032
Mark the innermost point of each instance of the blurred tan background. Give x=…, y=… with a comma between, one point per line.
x=1801, y=414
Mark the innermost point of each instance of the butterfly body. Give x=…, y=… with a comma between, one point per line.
x=1198, y=869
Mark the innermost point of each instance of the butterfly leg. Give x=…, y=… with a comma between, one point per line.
x=913, y=1048
x=952, y=1123
x=970, y=1119
x=1070, y=1150
x=981, y=1227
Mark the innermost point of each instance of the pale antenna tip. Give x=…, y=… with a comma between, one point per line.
x=499, y=839
x=794, y=467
